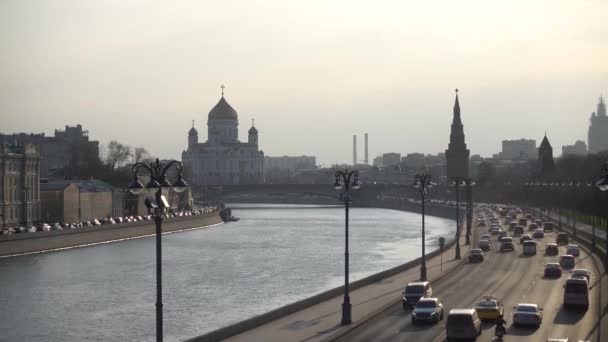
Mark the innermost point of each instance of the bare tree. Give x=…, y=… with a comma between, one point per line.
x=140, y=154
x=117, y=154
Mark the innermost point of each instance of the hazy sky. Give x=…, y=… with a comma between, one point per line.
x=312, y=73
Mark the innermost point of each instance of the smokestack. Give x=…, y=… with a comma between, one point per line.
x=354, y=149
x=366, y=161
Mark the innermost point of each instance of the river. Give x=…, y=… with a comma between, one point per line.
x=273, y=256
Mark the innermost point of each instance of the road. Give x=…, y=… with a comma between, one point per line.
x=513, y=279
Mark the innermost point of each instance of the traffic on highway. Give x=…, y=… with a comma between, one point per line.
x=522, y=280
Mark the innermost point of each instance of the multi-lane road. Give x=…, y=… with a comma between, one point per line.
x=510, y=277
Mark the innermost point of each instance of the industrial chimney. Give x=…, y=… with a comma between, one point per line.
x=354, y=149
x=366, y=161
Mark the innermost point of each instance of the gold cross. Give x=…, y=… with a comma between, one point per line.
x=223, y=87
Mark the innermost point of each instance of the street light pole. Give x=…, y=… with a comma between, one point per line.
x=158, y=180
x=456, y=182
x=469, y=211
x=344, y=184
x=422, y=182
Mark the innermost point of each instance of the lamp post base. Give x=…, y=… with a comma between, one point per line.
x=423, y=273
x=346, y=313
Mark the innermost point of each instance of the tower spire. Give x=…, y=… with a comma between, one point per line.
x=223, y=87
x=457, y=110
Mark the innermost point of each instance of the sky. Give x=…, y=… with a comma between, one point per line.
x=311, y=73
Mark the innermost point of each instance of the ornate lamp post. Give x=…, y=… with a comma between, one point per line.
x=158, y=181
x=602, y=184
x=469, y=183
x=457, y=182
x=422, y=182
x=346, y=180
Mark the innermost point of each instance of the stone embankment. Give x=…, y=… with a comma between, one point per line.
x=57, y=239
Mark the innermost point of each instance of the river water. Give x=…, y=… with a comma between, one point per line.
x=273, y=256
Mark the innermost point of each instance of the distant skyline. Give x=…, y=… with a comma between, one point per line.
x=312, y=74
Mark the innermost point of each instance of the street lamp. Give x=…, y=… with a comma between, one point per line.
x=457, y=182
x=343, y=183
x=469, y=183
x=422, y=182
x=158, y=180
x=602, y=184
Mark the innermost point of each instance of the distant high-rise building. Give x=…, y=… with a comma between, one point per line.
x=579, y=148
x=68, y=153
x=545, y=157
x=391, y=159
x=457, y=154
x=354, y=149
x=366, y=160
x=598, y=129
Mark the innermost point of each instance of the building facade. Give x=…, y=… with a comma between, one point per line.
x=70, y=201
x=19, y=185
x=291, y=163
x=223, y=159
x=518, y=149
x=391, y=158
x=579, y=148
x=69, y=153
x=457, y=154
x=598, y=129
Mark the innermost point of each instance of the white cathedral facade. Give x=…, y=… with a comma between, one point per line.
x=223, y=159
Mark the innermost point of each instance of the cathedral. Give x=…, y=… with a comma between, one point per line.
x=223, y=159
x=598, y=129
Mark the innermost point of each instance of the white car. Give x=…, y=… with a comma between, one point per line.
x=573, y=250
x=527, y=314
x=580, y=273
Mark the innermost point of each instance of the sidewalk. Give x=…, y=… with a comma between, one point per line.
x=321, y=322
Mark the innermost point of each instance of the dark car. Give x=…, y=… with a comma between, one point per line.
x=524, y=237
x=532, y=227
x=548, y=226
x=414, y=291
x=507, y=246
x=476, y=255
x=518, y=231
x=553, y=269
x=561, y=239
x=551, y=249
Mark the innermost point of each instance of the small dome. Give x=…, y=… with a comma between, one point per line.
x=253, y=131
x=223, y=110
x=192, y=131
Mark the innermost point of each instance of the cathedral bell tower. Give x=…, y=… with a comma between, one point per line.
x=253, y=134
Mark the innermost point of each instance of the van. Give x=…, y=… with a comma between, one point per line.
x=463, y=324
x=414, y=291
x=576, y=293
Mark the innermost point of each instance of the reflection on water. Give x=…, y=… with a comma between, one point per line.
x=212, y=277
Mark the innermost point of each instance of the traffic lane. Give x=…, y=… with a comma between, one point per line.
x=547, y=293
x=457, y=289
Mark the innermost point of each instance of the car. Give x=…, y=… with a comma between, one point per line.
x=561, y=239
x=567, y=261
x=506, y=239
x=551, y=249
x=519, y=230
x=529, y=247
x=553, y=269
x=522, y=221
x=527, y=314
x=494, y=231
x=548, y=226
x=512, y=225
x=489, y=308
x=486, y=237
x=576, y=293
x=580, y=273
x=524, y=238
x=573, y=250
x=481, y=223
x=538, y=222
x=558, y=339
x=507, y=246
x=502, y=234
x=485, y=245
x=538, y=234
x=462, y=324
x=427, y=310
x=414, y=291
x=532, y=227
x=476, y=255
